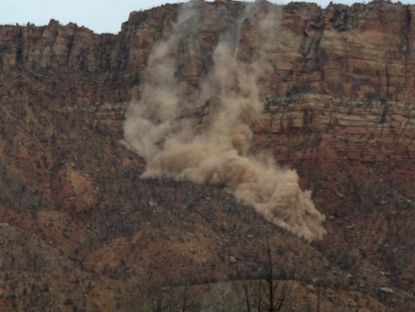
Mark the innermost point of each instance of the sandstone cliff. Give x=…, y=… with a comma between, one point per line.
x=81, y=231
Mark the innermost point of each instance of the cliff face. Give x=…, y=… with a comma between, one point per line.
x=352, y=60
x=339, y=109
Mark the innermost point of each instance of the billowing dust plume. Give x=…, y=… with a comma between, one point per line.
x=205, y=135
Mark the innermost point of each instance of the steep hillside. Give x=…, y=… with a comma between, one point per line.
x=81, y=231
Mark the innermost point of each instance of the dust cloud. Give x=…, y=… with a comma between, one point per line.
x=204, y=134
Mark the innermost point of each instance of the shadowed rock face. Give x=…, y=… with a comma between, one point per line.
x=80, y=230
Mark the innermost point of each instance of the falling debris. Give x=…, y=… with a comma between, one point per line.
x=162, y=127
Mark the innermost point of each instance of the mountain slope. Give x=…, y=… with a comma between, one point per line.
x=82, y=231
